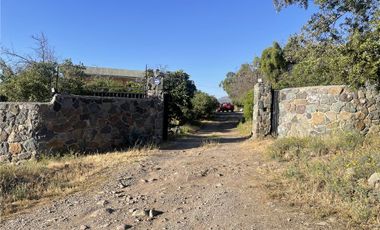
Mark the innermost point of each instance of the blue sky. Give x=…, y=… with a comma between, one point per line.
x=205, y=38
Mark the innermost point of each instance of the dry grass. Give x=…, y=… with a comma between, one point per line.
x=33, y=182
x=258, y=145
x=210, y=143
x=245, y=129
x=328, y=175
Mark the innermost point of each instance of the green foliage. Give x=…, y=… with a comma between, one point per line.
x=248, y=105
x=339, y=45
x=180, y=90
x=238, y=84
x=204, y=105
x=31, y=84
x=336, y=20
x=101, y=84
x=72, y=79
x=273, y=65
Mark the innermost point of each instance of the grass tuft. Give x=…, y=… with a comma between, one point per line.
x=331, y=173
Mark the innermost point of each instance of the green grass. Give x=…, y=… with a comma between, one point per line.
x=331, y=173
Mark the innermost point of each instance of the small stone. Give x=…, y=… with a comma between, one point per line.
x=289, y=219
x=374, y=179
x=100, y=212
x=15, y=148
x=153, y=213
x=109, y=210
x=123, y=227
x=84, y=227
x=140, y=213
x=102, y=202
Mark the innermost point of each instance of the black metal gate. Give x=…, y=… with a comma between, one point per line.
x=166, y=118
x=275, y=113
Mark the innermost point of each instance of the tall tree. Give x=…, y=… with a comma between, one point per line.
x=273, y=64
x=180, y=90
x=238, y=84
x=336, y=19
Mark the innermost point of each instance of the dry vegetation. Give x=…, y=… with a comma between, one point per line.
x=328, y=175
x=33, y=182
x=245, y=129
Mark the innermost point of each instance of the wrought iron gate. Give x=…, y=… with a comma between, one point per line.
x=275, y=113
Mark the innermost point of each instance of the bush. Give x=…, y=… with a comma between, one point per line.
x=248, y=105
x=32, y=84
x=204, y=105
x=180, y=90
x=331, y=173
x=108, y=85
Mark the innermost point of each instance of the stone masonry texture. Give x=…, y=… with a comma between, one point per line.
x=77, y=123
x=261, y=121
x=321, y=110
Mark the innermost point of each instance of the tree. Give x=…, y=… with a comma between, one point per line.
x=30, y=77
x=238, y=84
x=42, y=52
x=71, y=77
x=354, y=62
x=273, y=65
x=203, y=104
x=248, y=105
x=336, y=20
x=31, y=84
x=180, y=90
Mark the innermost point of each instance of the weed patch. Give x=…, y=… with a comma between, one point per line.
x=331, y=173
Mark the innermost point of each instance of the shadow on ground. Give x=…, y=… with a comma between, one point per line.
x=219, y=130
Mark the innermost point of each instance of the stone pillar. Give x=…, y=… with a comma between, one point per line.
x=155, y=86
x=262, y=110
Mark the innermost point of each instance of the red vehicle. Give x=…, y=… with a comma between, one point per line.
x=225, y=107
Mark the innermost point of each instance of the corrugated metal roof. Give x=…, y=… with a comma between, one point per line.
x=100, y=71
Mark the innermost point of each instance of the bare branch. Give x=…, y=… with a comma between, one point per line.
x=43, y=51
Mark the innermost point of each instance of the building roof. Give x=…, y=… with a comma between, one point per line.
x=110, y=72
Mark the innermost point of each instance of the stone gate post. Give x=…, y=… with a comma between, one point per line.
x=262, y=110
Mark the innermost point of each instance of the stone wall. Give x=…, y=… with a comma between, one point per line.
x=77, y=123
x=324, y=109
x=320, y=110
x=261, y=121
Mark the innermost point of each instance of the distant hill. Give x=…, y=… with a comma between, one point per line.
x=225, y=99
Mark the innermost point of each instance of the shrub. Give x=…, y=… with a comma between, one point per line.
x=248, y=105
x=180, y=90
x=100, y=84
x=31, y=84
x=204, y=105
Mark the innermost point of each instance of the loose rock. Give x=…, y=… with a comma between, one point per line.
x=140, y=213
x=374, y=180
x=84, y=227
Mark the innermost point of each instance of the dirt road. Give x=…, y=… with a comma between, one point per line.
x=205, y=181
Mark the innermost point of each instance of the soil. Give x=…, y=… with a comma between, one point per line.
x=205, y=181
